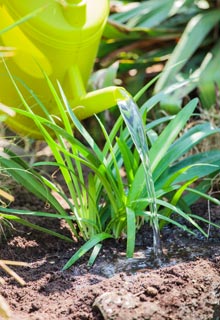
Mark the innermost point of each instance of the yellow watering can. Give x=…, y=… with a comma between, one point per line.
x=62, y=39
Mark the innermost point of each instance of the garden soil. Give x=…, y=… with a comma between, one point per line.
x=185, y=284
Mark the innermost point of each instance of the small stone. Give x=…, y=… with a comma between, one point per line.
x=151, y=291
x=109, y=302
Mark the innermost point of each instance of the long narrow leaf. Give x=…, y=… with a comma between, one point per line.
x=182, y=214
x=159, y=149
x=175, y=199
x=169, y=134
x=34, y=226
x=195, y=32
x=86, y=247
x=169, y=220
x=131, y=232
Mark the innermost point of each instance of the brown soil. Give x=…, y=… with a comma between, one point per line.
x=185, y=286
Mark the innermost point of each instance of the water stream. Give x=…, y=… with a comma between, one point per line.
x=176, y=250
x=133, y=120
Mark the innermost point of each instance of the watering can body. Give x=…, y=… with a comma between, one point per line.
x=61, y=39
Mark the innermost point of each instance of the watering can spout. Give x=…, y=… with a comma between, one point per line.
x=98, y=101
x=86, y=104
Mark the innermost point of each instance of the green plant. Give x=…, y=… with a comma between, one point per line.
x=144, y=35
x=104, y=204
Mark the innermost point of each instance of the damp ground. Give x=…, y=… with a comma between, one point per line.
x=185, y=286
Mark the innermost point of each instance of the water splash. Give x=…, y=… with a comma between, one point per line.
x=132, y=118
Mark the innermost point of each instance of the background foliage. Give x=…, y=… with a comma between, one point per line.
x=143, y=35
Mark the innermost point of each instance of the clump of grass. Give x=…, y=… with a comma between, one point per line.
x=105, y=204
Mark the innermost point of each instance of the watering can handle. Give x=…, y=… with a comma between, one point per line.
x=26, y=55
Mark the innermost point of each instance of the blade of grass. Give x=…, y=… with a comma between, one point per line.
x=160, y=147
x=182, y=214
x=168, y=220
x=204, y=195
x=128, y=160
x=23, y=19
x=131, y=232
x=175, y=199
x=94, y=254
x=85, y=248
x=194, y=216
x=19, y=220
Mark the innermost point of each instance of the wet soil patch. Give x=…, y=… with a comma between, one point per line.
x=185, y=286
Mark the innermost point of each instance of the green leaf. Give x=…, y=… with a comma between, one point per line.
x=34, y=226
x=23, y=19
x=195, y=32
x=31, y=181
x=182, y=214
x=209, y=81
x=200, y=165
x=159, y=150
x=128, y=159
x=86, y=247
x=131, y=232
x=175, y=199
x=145, y=15
x=181, y=146
x=169, y=220
x=194, y=216
x=94, y=254
x=162, y=144
x=204, y=195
